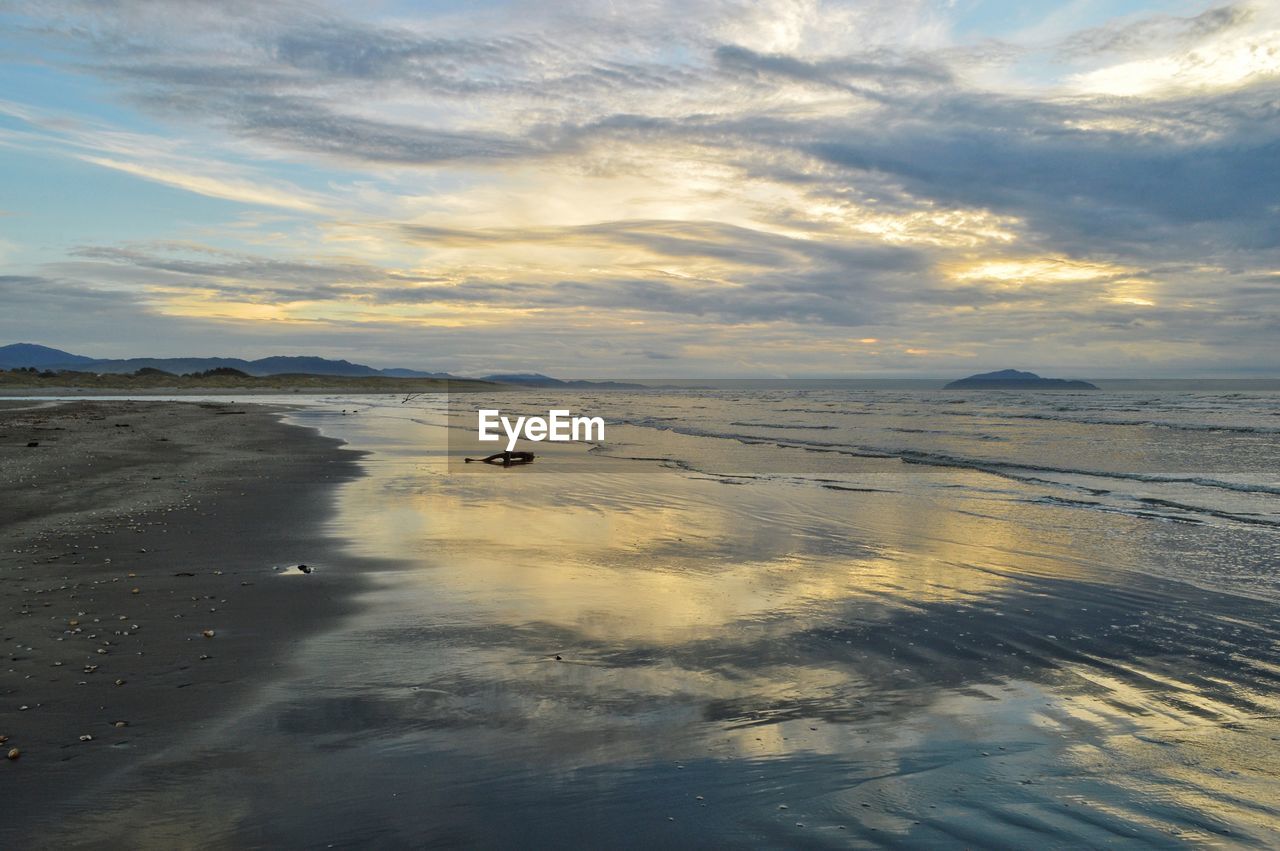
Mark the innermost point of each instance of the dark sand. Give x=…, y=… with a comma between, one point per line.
x=193, y=505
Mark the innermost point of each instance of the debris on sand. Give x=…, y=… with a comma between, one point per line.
x=304, y=568
x=208, y=633
x=31, y=444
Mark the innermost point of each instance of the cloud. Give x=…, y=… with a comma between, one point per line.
x=682, y=239
x=233, y=189
x=1157, y=32
x=846, y=73
x=1221, y=49
x=814, y=293
x=788, y=177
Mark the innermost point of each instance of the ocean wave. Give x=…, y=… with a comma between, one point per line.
x=1132, y=423
x=997, y=467
x=783, y=425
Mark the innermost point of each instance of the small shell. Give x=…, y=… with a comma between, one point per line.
x=208, y=633
x=14, y=753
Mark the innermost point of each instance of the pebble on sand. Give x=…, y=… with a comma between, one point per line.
x=14, y=753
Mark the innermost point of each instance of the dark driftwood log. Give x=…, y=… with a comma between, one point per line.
x=506, y=459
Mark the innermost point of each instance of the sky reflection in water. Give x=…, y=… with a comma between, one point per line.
x=938, y=660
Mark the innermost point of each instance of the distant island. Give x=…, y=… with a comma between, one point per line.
x=537, y=379
x=1013, y=379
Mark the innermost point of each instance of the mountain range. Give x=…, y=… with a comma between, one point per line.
x=24, y=355
x=34, y=356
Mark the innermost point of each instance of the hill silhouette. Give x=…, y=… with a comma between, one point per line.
x=1013, y=379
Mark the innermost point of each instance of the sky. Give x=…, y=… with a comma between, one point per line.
x=655, y=188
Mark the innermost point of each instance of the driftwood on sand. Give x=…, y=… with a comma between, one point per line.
x=506, y=459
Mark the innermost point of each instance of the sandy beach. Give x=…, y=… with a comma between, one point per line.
x=629, y=653
x=142, y=547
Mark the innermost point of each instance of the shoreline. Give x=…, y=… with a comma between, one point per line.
x=127, y=533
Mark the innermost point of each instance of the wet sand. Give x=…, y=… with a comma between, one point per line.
x=667, y=659
x=125, y=534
